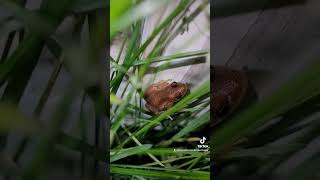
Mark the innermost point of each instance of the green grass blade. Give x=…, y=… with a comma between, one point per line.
x=165, y=173
x=86, y=6
x=7, y=46
x=123, y=153
x=309, y=169
x=35, y=22
x=170, y=160
x=170, y=151
x=263, y=152
x=157, y=30
x=122, y=112
x=116, y=10
x=81, y=146
x=139, y=143
x=172, y=57
x=128, y=60
x=37, y=166
x=12, y=119
x=192, y=126
x=24, y=59
x=123, y=15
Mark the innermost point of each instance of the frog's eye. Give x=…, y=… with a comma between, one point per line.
x=174, y=84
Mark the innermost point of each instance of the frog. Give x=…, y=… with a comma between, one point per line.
x=229, y=87
x=162, y=95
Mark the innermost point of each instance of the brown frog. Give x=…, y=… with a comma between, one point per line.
x=229, y=87
x=164, y=94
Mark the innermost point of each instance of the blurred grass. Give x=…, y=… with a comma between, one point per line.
x=37, y=31
x=12, y=119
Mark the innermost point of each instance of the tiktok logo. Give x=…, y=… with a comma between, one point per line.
x=202, y=145
x=203, y=140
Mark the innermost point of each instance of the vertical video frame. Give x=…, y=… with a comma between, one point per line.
x=159, y=89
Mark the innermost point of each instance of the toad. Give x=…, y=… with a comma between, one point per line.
x=164, y=94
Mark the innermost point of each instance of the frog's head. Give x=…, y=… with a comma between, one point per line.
x=163, y=94
x=176, y=90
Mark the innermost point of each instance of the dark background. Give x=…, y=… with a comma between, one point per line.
x=273, y=41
